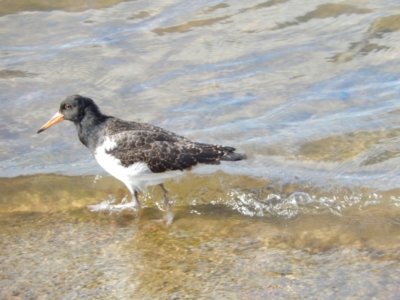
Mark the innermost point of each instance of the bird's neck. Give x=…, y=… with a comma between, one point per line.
x=88, y=128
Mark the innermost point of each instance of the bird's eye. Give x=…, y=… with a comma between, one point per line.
x=68, y=106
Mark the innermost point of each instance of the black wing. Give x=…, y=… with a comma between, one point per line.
x=162, y=150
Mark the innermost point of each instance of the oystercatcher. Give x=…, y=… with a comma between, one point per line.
x=138, y=154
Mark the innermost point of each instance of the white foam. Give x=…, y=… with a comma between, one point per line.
x=107, y=205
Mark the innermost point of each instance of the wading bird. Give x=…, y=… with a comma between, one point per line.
x=138, y=154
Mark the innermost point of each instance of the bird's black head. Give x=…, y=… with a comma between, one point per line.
x=73, y=108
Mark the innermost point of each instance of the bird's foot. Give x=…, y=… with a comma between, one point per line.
x=167, y=219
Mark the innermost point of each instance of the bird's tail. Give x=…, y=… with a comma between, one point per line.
x=232, y=156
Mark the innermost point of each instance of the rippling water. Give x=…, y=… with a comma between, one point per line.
x=309, y=90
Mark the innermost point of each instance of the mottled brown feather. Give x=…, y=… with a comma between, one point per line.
x=160, y=149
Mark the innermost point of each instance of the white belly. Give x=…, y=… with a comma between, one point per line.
x=137, y=176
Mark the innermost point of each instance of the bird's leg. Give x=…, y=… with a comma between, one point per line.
x=135, y=200
x=170, y=214
x=136, y=205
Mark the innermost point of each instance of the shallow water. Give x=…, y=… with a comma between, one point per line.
x=53, y=245
x=308, y=91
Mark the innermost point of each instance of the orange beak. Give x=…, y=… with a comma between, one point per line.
x=54, y=120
